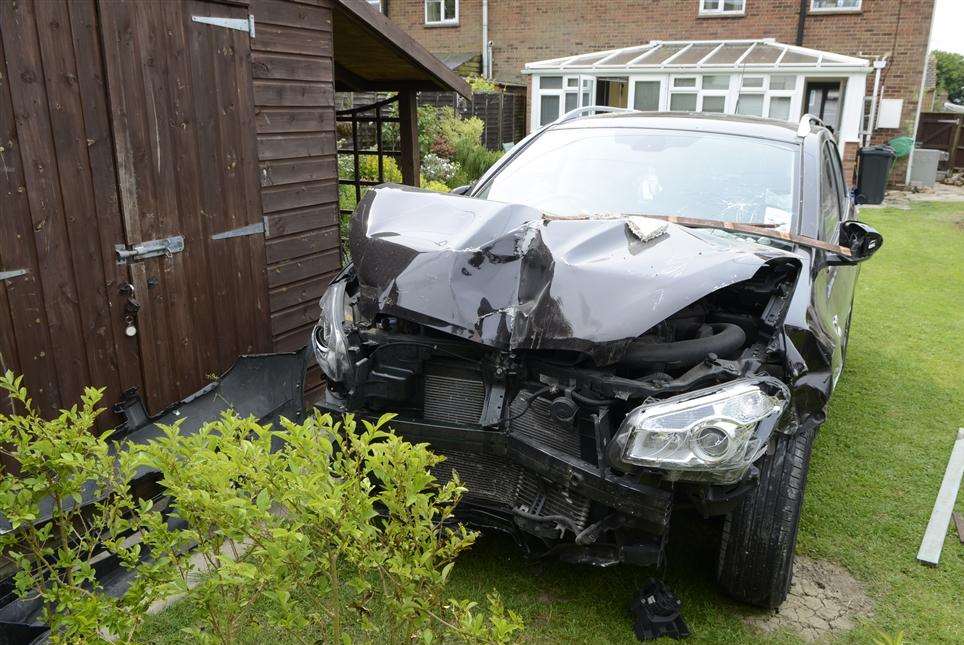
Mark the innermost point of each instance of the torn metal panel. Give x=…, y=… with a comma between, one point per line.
x=501, y=275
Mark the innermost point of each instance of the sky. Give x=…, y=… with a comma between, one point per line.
x=948, y=32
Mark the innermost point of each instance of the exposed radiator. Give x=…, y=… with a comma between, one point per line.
x=538, y=425
x=457, y=396
x=453, y=396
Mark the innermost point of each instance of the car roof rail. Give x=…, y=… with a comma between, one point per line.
x=588, y=109
x=807, y=121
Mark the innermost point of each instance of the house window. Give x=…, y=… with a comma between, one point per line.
x=441, y=12
x=722, y=7
x=548, y=109
x=750, y=105
x=700, y=93
x=646, y=95
x=551, y=99
x=831, y=6
x=780, y=108
x=376, y=5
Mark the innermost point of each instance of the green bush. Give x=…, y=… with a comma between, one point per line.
x=473, y=159
x=443, y=134
x=429, y=128
x=61, y=460
x=436, y=186
x=461, y=132
x=481, y=85
x=368, y=169
x=341, y=535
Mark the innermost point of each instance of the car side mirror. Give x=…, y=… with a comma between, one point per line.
x=862, y=239
x=462, y=190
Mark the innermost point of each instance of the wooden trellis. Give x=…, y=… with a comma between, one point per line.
x=378, y=114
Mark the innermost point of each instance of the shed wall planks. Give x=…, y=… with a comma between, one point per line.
x=293, y=76
x=63, y=137
x=58, y=198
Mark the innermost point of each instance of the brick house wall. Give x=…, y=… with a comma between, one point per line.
x=529, y=30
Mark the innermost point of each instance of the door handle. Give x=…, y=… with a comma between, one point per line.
x=131, y=308
x=165, y=246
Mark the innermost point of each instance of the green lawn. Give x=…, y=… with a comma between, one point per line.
x=876, y=468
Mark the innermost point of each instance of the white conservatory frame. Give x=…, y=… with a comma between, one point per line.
x=757, y=63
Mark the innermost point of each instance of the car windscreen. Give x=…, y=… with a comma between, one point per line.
x=651, y=172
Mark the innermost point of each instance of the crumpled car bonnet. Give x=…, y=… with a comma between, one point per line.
x=501, y=275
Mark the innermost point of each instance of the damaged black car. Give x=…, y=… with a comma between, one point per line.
x=625, y=314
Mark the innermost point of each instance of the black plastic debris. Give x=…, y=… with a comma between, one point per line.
x=656, y=613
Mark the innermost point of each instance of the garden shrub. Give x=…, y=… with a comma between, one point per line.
x=436, y=168
x=481, y=85
x=473, y=160
x=460, y=132
x=435, y=186
x=342, y=534
x=61, y=460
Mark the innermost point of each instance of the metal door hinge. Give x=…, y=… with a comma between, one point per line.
x=15, y=273
x=167, y=246
x=239, y=24
x=250, y=229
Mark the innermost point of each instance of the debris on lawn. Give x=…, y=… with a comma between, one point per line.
x=656, y=613
x=933, y=542
x=824, y=601
x=954, y=179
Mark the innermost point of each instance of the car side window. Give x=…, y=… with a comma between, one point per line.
x=841, y=182
x=831, y=210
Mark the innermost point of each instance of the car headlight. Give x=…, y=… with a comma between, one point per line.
x=328, y=339
x=709, y=435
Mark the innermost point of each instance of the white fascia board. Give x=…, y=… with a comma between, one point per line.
x=823, y=72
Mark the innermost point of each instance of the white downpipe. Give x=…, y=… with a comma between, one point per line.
x=872, y=123
x=920, y=99
x=486, y=52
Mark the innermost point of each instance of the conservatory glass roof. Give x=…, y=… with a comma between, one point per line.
x=761, y=54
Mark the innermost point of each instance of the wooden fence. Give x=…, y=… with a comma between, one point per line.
x=943, y=131
x=503, y=113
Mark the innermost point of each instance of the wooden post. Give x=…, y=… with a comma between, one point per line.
x=408, y=133
x=955, y=142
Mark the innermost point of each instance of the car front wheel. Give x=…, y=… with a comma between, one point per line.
x=760, y=535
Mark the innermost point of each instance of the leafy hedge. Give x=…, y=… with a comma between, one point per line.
x=341, y=535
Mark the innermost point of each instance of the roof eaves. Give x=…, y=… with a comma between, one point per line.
x=823, y=60
x=377, y=22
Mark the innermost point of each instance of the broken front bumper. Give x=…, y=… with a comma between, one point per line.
x=518, y=484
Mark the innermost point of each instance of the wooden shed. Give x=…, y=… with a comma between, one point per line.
x=168, y=180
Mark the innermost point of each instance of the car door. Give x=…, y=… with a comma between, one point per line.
x=834, y=284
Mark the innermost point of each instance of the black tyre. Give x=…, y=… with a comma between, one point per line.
x=760, y=535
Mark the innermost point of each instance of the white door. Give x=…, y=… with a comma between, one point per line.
x=587, y=90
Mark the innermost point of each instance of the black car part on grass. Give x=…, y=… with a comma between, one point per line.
x=656, y=613
x=266, y=387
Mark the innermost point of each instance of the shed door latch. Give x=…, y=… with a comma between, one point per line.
x=166, y=246
x=240, y=24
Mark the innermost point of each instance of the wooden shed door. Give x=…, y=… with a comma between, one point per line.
x=183, y=120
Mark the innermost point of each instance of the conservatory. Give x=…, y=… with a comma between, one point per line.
x=760, y=78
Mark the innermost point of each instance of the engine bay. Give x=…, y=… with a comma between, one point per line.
x=538, y=436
